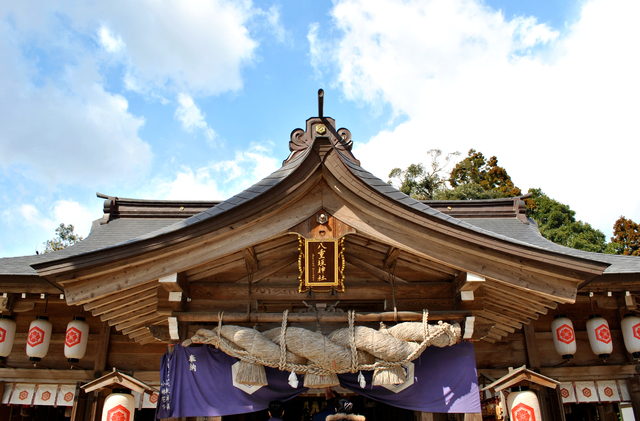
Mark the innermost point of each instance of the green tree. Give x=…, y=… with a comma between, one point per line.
x=489, y=180
x=626, y=238
x=557, y=223
x=423, y=182
x=65, y=237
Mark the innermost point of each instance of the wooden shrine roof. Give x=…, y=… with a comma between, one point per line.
x=206, y=245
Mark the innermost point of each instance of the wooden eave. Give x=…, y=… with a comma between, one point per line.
x=519, y=376
x=342, y=175
x=321, y=179
x=354, y=194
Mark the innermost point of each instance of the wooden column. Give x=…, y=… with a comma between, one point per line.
x=634, y=391
x=77, y=411
x=426, y=416
x=532, y=346
x=473, y=417
x=95, y=400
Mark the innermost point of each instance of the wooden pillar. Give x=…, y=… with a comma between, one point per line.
x=634, y=391
x=532, y=346
x=473, y=417
x=96, y=400
x=77, y=411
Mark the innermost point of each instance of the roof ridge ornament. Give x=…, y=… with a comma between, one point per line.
x=321, y=127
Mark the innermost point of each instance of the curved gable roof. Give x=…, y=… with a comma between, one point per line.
x=128, y=234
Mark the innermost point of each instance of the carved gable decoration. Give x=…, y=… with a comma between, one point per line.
x=324, y=127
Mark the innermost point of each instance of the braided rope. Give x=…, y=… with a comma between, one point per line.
x=220, y=315
x=283, y=341
x=430, y=333
x=352, y=341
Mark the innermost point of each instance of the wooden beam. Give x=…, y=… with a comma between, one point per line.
x=250, y=260
x=578, y=373
x=144, y=323
x=129, y=309
x=499, y=300
x=391, y=258
x=375, y=271
x=553, y=276
x=140, y=320
x=171, y=301
x=369, y=291
x=526, y=298
x=466, y=281
x=532, y=346
x=270, y=270
x=134, y=315
x=522, y=317
x=506, y=321
x=402, y=316
x=120, y=296
x=176, y=282
x=202, y=248
x=100, y=363
x=209, y=271
x=29, y=284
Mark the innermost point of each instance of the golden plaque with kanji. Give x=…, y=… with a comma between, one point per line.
x=321, y=264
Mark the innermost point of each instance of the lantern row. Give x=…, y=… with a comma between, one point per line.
x=564, y=338
x=39, y=338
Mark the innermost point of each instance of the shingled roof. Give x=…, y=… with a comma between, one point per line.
x=127, y=221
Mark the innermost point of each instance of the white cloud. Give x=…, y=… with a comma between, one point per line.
x=191, y=118
x=559, y=111
x=219, y=180
x=43, y=223
x=63, y=126
x=195, y=46
x=71, y=212
x=110, y=43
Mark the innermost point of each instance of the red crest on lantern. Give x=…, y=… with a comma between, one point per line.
x=603, y=334
x=36, y=336
x=3, y=334
x=522, y=412
x=118, y=413
x=636, y=331
x=565, y=334
x=73, y=337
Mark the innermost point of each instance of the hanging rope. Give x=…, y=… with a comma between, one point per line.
x=352, y=341
x=220, y=314
x=396, y=346
x=283, y=341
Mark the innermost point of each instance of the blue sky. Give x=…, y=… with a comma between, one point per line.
x=197, y=99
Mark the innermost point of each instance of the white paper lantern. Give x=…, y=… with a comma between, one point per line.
x=38, y=338
x=75, y=340
x=119, y=406
x=599, y=336
x=564, y=337
x=523, y=404
x=631, y=333
x=7, y=335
